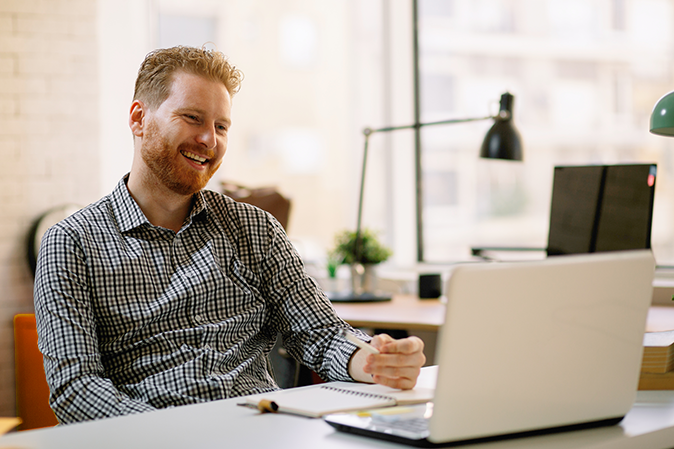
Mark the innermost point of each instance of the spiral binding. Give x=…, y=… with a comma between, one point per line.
x=363, y=394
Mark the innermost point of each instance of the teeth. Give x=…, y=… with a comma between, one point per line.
x=193, y=156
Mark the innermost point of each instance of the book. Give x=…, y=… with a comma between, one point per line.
x=656, y=381
x=658, y=352
x=314, y=401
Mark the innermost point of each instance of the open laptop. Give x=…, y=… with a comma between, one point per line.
x=527, y=348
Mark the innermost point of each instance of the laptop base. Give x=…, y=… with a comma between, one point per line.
x=334, y=422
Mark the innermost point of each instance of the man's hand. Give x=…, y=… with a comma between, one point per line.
x=397, y=366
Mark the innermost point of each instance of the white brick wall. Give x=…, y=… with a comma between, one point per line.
x=48, y=138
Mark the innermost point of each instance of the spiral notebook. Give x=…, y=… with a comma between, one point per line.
x=333, y=397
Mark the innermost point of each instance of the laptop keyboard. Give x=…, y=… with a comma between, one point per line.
x=414, y=426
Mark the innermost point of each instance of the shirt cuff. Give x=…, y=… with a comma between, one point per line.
x=343, y=355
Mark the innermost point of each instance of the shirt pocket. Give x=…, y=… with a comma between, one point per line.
x=237, y=292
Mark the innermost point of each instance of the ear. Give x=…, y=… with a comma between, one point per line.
x=137, y=117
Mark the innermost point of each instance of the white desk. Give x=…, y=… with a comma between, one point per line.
x=219, y=424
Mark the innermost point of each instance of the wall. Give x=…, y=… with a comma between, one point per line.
x=48, y=138
x=123, y=41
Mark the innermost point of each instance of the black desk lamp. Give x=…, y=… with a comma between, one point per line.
x=501, y=142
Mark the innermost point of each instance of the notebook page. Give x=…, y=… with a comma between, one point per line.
x=318, y=400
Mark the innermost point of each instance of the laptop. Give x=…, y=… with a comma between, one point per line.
x=596, y=208
x=527, y=348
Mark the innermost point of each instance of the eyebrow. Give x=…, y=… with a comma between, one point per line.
x=202, y=112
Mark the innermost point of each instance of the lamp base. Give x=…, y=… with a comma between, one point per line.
x=354, y=297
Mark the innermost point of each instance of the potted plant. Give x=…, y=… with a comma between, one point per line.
x=361, y=254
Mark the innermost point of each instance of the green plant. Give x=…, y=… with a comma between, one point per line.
x=370, y=249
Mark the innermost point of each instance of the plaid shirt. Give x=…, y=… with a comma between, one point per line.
x=132, y=317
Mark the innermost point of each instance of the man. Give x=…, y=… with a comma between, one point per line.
x=163, y=294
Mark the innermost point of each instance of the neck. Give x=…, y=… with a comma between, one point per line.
x=161, y=206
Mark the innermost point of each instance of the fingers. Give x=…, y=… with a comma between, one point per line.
x=381, y=340
x=401, y=383
x=408, y=345
x=395, y=370
x=399, y=363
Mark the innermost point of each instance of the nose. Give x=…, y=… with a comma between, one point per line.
x=206, y=136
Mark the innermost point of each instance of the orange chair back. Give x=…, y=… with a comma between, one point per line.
x=32, y=391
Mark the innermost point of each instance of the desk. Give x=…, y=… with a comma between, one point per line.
x=408, y=312
x=403, y=312
x=660, y=318
x=650, y=424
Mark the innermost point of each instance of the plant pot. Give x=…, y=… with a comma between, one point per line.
x=363, y=278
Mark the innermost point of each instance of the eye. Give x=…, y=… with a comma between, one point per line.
x=192, y=118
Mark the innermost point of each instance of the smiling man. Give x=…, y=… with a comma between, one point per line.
x=164, y=294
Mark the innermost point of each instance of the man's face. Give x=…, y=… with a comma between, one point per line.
x=185, y=139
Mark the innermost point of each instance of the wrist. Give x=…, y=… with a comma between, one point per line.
x=357, y=362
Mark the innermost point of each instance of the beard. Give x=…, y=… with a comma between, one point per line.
x=162, y=160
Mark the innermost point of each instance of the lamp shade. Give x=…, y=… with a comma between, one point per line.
x=662, y=117
x=503, y=141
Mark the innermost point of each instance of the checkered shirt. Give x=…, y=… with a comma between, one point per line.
x=133, y=317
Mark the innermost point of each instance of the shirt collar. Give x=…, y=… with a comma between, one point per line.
x=130, y=216
x=199, y=207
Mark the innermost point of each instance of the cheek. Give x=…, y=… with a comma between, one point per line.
x=222, y=146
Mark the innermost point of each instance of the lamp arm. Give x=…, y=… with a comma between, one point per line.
x=367, y=132
x=360, y=197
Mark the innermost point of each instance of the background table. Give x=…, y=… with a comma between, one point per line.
x=660, y=318
x=408, y=312
x=403, y=312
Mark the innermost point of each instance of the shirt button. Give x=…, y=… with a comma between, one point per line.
x=207, y=346
x=197, y=318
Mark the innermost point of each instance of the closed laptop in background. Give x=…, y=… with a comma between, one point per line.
x=597, y=208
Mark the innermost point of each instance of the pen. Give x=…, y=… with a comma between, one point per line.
x=360, y=343
x=263, y=405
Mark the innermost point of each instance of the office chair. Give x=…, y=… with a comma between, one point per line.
x=266, y=198
x=32, y=391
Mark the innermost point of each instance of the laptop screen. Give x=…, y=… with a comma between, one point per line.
x=601, y=208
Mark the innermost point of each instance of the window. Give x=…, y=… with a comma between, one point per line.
x=583, y=95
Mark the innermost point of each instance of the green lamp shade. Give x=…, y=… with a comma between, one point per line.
x=662, y=117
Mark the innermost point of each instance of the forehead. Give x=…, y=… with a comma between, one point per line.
x=189, y=91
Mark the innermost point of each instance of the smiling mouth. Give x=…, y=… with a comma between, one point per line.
x=194, y=157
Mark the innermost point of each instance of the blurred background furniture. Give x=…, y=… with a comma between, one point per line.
x=40, y=226
x=266, y=198
x=32, y=391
